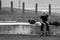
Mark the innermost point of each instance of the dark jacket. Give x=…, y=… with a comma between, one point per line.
x=44, y=17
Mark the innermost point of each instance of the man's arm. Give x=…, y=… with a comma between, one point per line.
x=49, y=17
x=41, y=19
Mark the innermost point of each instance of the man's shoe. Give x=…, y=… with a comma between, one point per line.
x=47, y=33
x=41, y=33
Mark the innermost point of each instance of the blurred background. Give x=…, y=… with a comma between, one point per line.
x=30, y=4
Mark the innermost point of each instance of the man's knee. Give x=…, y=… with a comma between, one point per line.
x=42, y=24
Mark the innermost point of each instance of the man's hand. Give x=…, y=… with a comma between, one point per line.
x=41, y=21
x=49, y=17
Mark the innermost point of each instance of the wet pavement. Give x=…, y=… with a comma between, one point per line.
x=28, y=37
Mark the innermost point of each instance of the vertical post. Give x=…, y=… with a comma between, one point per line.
x=49, y=17
x=36, y=5
x=49, y=9
x=0, y=4
x=12, y=6
x=19, y=4
x=23, y=7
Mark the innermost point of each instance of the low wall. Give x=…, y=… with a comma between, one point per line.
x=15, y=29
x=25, y=29
x=18, y=28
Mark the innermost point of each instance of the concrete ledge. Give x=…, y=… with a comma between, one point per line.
x=15, y=23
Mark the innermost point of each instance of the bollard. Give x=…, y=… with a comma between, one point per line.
x=36, y=5
x=11, y=6
x=23, y=7
x=0, y=4
x=49, y=9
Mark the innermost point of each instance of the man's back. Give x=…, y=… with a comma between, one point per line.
x=44, y=17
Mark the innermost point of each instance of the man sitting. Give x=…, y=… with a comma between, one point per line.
x=44, y=18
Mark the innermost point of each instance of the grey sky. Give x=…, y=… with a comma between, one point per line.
x=31, y=3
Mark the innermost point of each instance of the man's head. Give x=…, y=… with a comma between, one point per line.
x=31, y=18
x=44, y=13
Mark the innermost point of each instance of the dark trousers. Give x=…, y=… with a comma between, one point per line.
x=47, y=26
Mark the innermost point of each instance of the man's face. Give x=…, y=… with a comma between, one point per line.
x=44, y=13
x=31, y=18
